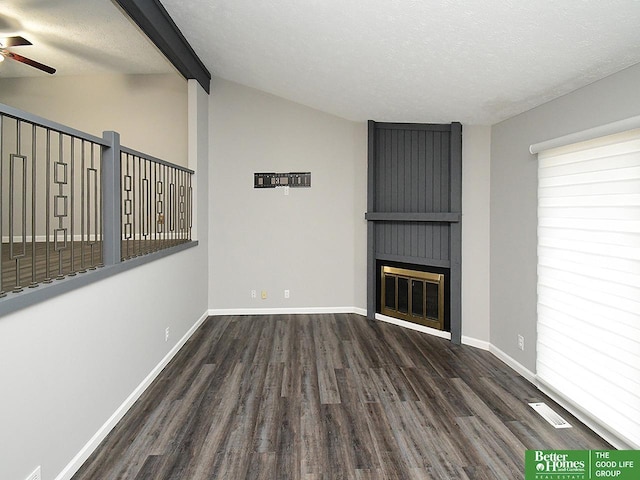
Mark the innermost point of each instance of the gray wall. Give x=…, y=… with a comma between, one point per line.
x=67, y=364
x=514, y=199
x=476, y=150
x=136, y=106
x=313, y=241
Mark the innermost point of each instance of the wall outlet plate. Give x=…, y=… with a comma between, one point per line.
x=263, y=294
x=253, y=294
x=286, y=294
x=520, y=342
x=166, y=334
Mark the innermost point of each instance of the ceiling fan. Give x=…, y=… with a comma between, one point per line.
x=17, y=41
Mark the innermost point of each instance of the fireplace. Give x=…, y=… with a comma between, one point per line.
x=414, y=215
x=413, y=295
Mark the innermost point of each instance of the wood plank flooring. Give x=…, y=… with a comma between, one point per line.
x=314, y=397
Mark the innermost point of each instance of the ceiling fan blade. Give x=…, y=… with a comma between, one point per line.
x=31, y=63
x=14, y=41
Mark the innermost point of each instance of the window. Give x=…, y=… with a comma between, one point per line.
x=588, y=347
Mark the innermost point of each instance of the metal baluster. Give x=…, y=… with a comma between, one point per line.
x=83, y=205
x=181, y=194
x=47, y=251
x=125, y=196
x=190, y=207
x=172, y=202
x=143, y=206
x=136, y=206
x=127, y=204
x=72, y=207
x=60, y=224
x=183, y=206
x=154, y=171
x=92, y=235
x=2, y=291
x=176, y=180
x=34, y=282
x=136, y=200
x=97, y=213
x=148, y=200
x=17, y=257
x=165, y=206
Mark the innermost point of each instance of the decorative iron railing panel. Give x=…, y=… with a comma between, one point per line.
x=71, y=202
x=156, y=204
x=50, y=202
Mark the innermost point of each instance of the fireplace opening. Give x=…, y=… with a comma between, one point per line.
x=414, y=293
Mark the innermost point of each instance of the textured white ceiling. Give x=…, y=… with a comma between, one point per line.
x=475, y=61
x=77, y=37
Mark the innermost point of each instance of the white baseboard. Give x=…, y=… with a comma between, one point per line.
x=100, y=435
x=518, y=367
x=215, y=312
x=474, y=342
x=414, y=326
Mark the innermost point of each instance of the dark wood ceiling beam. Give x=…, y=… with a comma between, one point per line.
x=156, y=23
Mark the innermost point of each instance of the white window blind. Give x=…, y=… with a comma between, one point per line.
x=588, y=347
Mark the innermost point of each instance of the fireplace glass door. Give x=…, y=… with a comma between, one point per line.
x=413, y=295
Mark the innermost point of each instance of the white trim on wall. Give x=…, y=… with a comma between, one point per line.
x=215, y=312
x=474, y=342
x=526, y=373
x=414, y=326
x=74, y=465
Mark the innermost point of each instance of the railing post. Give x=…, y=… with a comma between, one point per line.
x=111, y=191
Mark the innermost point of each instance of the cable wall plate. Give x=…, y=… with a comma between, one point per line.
x=273, y=180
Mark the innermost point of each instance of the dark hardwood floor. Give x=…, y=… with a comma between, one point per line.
x=329, y=397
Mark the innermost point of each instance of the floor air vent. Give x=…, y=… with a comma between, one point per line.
x=549, y=415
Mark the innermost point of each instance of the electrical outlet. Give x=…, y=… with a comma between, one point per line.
x=521, y=342
x=263, y=294
x=36, y=475
x=286, y=294
x=286, y=190
x=253, y=294
x=166, y=334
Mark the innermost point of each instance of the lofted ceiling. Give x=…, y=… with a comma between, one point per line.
x=474, y=61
